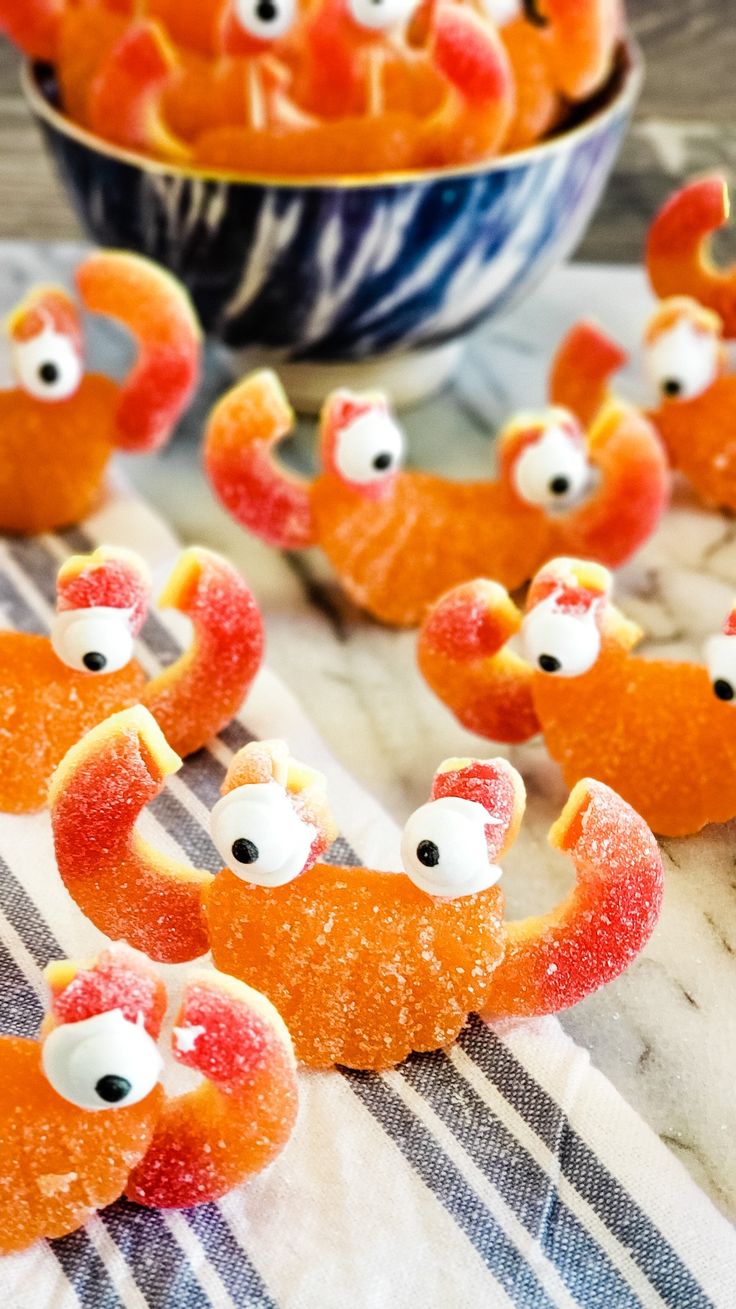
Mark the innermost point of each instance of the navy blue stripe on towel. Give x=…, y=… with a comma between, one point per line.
x=647, y=1246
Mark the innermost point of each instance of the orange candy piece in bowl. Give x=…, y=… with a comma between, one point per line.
x=54, y=690
x=365, y=966
x=86, y=1120
x=238, y=84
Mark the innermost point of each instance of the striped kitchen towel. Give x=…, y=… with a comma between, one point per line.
x=505, y=1172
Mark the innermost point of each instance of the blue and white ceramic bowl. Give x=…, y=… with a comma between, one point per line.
x=390, y=270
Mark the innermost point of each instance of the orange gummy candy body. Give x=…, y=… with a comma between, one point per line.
x=52, y=461
x=47, y=705
x=677, y=252
x=58, y=428
x=337, y=953
x=60, y=1164
x=653, y=730
x=84, y=1118
x=397, y=540
x=364, y=966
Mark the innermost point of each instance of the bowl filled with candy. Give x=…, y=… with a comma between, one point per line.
x=345, y=183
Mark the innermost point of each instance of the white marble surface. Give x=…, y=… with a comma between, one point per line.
x=665, y=1033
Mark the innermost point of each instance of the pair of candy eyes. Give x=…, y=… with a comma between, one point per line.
x=551, y=471
x=263, y=841
x=269, y=19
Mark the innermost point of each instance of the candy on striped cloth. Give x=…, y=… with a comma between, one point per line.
x=365, y=966
x=84, y=1118
x=54, y=689
x=661, y=733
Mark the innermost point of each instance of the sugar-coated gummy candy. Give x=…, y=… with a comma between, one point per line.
x=364, y=966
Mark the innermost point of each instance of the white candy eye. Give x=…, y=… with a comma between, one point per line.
x=259, y=835
x=96, y=640
x=720, y=656
x=370, y=448
x=444, y=848
x=265, y=19
x=552, y=471
x=48, y=367
x=104, y=1062
x=682, y=363
x=380, y=14
x=502, y=12
x=564, y=644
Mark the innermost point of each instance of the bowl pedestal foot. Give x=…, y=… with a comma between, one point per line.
x=406, y=378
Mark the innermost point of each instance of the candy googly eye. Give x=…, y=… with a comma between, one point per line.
x=104, y=1062
x=566, y=645
x=444, y=849
x=265, y=19
x=370, y=448
x=683, y=362
x=380, y=14
x=720, y=657
x=552, y=471
x=260, y=836
x=502, y=12
x=47, y=366
x=95, y=640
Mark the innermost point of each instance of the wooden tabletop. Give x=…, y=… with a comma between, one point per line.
x=686, y=122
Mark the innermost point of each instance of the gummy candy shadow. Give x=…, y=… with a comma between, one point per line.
x=365, y=966
x=661, y=733
x=84, y=1119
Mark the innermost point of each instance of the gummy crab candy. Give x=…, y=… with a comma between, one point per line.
x=328, y=86
x=58, y=425
x=53, y=690
x=677, y=254
x=661, y=733
x=398, y=539
x=365, y=966
x=685, y=358
x=84, y=1118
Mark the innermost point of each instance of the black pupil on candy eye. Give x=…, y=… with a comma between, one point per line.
x=723, y=689
x=382, y=461
x=559, y=485
x=112, y=1089
x=266, y=10
x=671, y=386
x=94, y=661
x=48, y=373
x=244, y=851
x=428, y=854
x=549, y=664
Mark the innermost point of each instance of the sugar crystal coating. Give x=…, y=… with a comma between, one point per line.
x=363, y=965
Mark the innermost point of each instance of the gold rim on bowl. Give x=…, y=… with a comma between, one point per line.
x=629, y=71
